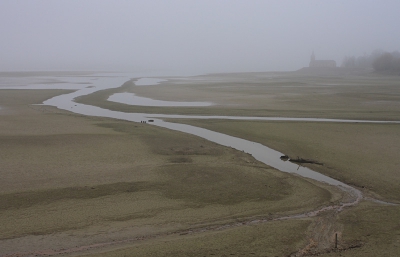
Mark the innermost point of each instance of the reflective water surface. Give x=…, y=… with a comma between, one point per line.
x=132, y=99
x=258, y=151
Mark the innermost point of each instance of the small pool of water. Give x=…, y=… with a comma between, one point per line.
x=56, y=82
x=67, y=86
x=132, y=99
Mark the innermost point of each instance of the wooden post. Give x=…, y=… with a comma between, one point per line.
x=336, y=241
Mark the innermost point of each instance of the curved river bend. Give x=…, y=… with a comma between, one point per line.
x=258, y=151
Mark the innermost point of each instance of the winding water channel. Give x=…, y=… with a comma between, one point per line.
x=90, y=84
x=258, y=151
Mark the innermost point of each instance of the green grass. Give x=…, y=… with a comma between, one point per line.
x=363, y=155
x=270, y=239
x=373, y=230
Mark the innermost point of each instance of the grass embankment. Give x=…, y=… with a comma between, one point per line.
x=66, y=176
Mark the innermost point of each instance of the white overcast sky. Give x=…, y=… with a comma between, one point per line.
x=191, y=35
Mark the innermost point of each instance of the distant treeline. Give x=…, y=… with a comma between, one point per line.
x=378, y=60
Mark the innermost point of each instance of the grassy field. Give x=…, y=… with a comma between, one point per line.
x=370, y=230
x=363, y=155
x=366, y=230
x=70, y=180
x=270, y=239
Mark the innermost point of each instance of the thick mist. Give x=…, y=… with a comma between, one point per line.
x=191, y=36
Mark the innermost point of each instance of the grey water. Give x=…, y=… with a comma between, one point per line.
x=56, y=82
x=132, y=99
x=67, y=86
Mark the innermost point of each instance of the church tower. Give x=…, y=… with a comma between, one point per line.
x=312, y=57
x=312, y=60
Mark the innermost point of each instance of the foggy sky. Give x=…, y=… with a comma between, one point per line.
x=190, y=35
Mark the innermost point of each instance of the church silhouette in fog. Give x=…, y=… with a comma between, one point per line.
x=321, y=63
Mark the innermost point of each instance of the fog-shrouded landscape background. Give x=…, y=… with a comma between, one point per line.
x=191, y=36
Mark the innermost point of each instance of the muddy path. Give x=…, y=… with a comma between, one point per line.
x=321, y=233
x=320, y=240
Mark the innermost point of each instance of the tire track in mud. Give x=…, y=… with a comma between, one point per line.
x=247, y=222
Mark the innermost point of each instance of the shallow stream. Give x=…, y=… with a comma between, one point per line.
x=258, y=151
